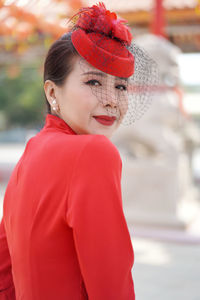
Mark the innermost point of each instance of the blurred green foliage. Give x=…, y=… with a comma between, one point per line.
x=22, y=101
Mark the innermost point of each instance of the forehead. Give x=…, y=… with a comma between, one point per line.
x=86, y=69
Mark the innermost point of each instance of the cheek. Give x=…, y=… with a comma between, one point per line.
x=123, y=104
x=79, y=99
x=87, y=98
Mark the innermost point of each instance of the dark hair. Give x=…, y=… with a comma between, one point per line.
x=59, y=62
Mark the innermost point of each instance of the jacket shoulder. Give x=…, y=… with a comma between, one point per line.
x=102, y=145
x=88, y=146
x=98, y=148
x=92, y=142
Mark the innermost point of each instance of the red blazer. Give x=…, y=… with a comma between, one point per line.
x=63, y=234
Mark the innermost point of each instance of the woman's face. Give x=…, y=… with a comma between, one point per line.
x=86, y=100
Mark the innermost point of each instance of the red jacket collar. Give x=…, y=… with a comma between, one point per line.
x=56, y=122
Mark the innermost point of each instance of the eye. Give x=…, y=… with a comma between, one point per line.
x=93, y=82
x=121, y=87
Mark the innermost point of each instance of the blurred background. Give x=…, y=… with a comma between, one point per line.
x=160, y=151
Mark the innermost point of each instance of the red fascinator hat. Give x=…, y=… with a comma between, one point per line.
x=101, y=39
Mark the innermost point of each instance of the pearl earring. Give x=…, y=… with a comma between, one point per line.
x=54, y=103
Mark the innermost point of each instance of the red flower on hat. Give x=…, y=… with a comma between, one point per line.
x=98, y=19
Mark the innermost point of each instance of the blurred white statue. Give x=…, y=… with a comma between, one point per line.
x=156, y=178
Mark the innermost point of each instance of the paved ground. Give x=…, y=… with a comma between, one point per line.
x=166, y=271
x=163, y=269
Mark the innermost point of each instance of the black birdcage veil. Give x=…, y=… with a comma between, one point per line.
x=127, y=98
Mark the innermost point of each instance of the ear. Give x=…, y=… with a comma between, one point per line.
x=50, y=90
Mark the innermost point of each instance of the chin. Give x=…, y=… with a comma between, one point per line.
x=100, y=131
x=107, y=133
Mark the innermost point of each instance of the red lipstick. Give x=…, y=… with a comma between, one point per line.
x=105, y=120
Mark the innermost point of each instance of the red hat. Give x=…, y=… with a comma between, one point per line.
x=101, y=39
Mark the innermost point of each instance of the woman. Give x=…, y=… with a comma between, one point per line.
x=63, y=234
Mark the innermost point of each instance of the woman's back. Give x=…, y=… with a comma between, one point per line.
x=63, y=218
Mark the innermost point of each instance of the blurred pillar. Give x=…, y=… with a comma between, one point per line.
x=158, y=23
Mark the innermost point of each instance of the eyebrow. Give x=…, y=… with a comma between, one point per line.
x=102, y=75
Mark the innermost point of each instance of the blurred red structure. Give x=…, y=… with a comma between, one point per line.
x=158, y=22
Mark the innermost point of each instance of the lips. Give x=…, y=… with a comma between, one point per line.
x=104, y=117
x=105, y=120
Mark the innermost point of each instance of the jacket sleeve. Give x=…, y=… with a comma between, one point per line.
x=95, y=213
x=7, y=289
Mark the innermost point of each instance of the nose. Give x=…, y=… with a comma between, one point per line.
x=111, y=101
